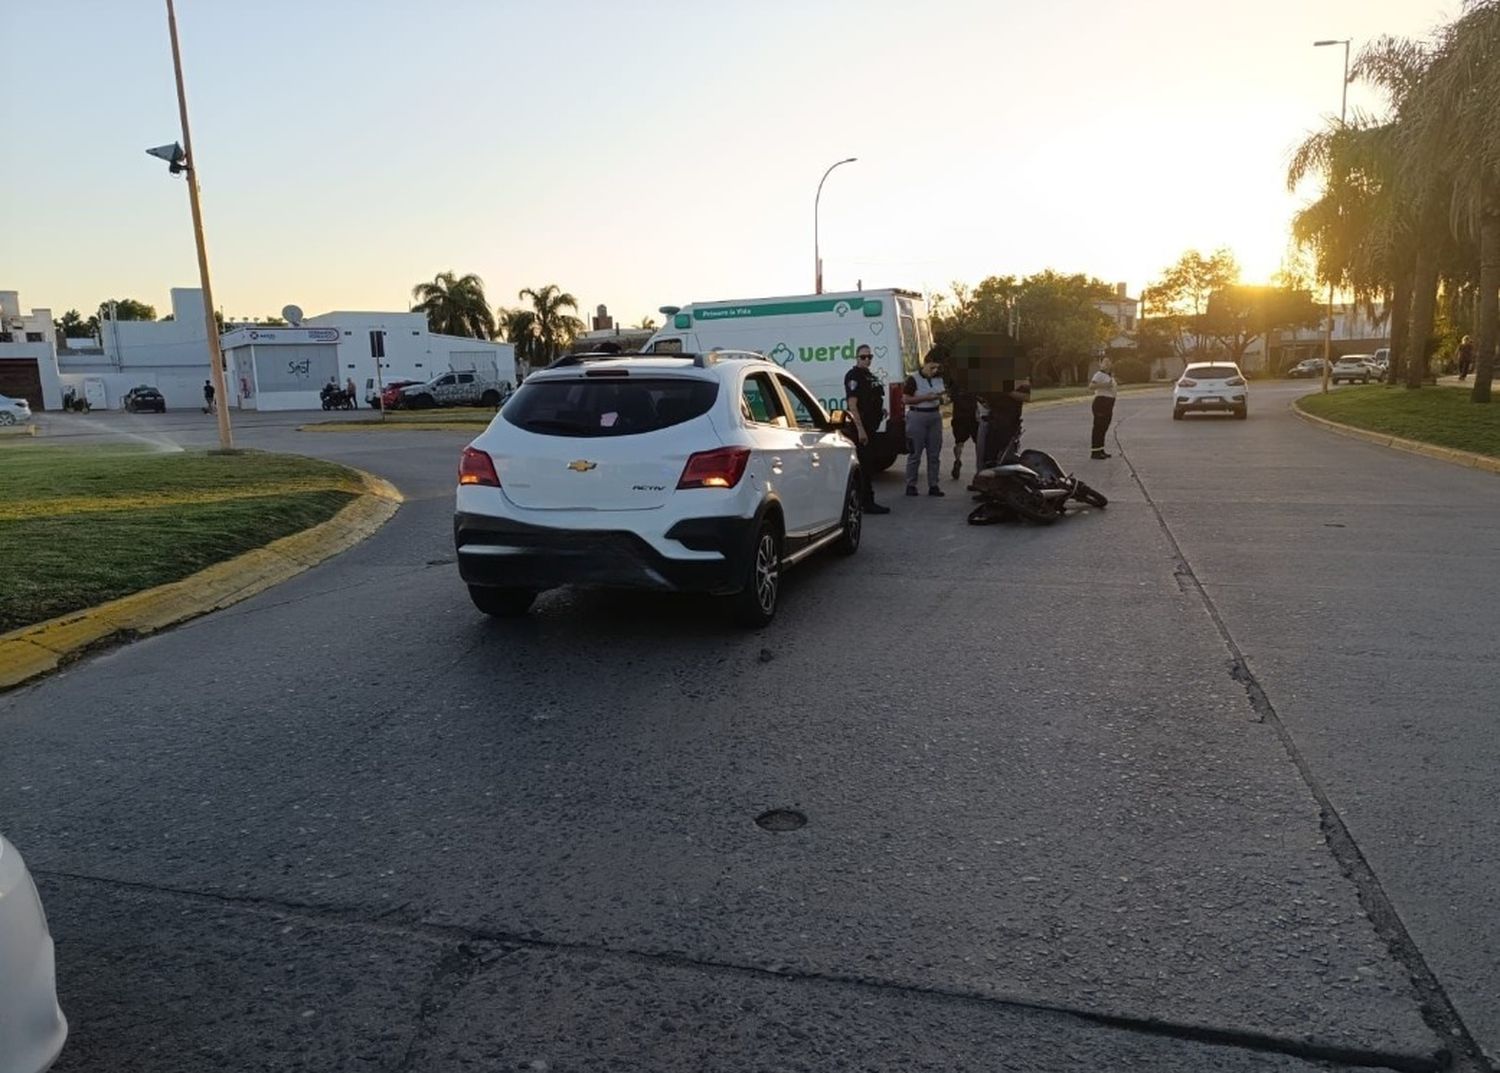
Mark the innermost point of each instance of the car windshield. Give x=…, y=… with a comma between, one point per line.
x=613, y=406
x=1211, y=372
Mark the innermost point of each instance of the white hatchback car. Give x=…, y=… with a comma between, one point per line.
x=1352, y=367
x=14, y=411
x=32, y=1028
x=692, y=473
x=1211, y=386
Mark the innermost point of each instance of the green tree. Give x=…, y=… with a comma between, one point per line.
x=647, y=324
x=1059, y=324
x=71, y=325
x=127, y=309
x=552, y=327
x=1240, y=314
x=455, y=305
x=1179, y=300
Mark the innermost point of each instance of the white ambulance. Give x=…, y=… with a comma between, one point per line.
x=814, y=336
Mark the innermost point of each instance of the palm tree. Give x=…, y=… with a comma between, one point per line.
x=1453, y=123
x=553, y=327
x=455, y=305
x=518, y=326
x=647, y=324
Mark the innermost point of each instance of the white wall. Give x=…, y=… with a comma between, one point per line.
x=412, y=352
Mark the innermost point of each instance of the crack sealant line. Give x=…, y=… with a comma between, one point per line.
x=1463, y=1054
x=459, y=964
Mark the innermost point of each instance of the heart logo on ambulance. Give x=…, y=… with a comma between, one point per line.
x=841, y=308
x=782, y=355
x=879, y=351
x=876, y=327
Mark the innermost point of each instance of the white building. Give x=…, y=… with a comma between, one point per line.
x=266, y=367
x=1123, y=310
x=28, y=354
x=285, y=368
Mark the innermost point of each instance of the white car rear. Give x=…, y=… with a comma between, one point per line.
x=693, y=473
x=32, y=1027
x=1354, y=367
x=1211, y=386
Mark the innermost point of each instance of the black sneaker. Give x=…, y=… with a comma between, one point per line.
x=936, y=491
x=911, y=489
x=876, y=508
x=957, y=467
x=1101, y=454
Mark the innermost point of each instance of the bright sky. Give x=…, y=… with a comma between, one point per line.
x=654, y=153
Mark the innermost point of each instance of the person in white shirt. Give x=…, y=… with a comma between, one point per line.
x=924, y=425
x=1105, y=390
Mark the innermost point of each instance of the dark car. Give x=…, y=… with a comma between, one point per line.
x=1308, y=369
x=140, y=399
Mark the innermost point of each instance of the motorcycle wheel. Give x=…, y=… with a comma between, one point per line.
x=1029, y=505
x=988, y=512
x=1085, y=494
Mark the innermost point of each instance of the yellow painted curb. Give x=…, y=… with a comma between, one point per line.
x=1417, y=447
x=36, y=650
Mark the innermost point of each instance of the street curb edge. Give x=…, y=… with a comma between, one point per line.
x=1467, y=459
x=40, y=649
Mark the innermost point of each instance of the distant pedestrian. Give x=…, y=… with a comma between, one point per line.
x=208, y=396
x=923, y=392
x=353, y=393
x=1465, y=358
x=1105, y=389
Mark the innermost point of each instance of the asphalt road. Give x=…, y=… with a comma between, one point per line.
x=1203, y=781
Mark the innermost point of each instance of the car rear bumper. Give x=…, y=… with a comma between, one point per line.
x=1221, y=402
x=32, y=1027
x=501, y=552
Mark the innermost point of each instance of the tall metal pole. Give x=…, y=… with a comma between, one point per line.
x=215, y=355
x=1343, y=113
x=817, y=258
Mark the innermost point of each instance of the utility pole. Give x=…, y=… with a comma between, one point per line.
x=1343, y=113
x=215, y=355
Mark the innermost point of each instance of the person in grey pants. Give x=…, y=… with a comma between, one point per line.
x=924, y=426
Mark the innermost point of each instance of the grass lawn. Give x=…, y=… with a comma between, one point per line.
x=79, y=526
x=1439, y=415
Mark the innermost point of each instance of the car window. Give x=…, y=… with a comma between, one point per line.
x=1211, y=372
x=608, y=407
x=443, y=381
x=805, y=409
x=666, y=346
x=465, y=378
x=759, y=402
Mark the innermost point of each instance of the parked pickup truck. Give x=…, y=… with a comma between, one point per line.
x=465, y=388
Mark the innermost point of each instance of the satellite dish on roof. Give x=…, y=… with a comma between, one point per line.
x=292, y=315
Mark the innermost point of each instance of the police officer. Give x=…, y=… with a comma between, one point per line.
x=865, y=404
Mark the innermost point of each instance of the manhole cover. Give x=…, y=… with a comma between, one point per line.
x=781, y=819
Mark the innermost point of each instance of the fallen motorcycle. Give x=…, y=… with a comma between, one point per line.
x=1029, y=485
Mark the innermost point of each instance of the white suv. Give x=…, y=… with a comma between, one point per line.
x=692, y=473
x=1211, y=385
x=1352, y=367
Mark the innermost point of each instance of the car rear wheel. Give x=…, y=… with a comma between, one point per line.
x=852, y=521
x=423, y=402
x=755, y=603
x=502, y=602
x=7, y=418
x=1177, y=413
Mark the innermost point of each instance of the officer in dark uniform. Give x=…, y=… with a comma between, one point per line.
x=864, y=401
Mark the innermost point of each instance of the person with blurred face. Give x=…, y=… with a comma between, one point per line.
x=923, y=392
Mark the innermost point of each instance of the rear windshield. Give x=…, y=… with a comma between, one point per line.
x=1353, y=359
x=1211, y=372
x=612, y=406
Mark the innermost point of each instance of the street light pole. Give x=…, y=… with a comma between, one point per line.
x=817, y=257
x=1343, y=112
x=215, y=355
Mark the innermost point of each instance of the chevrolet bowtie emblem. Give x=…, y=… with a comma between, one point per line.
x=581, y=466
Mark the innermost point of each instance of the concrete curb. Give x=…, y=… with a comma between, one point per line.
x=40, y=649
x=1416, y=447
x=473, y=428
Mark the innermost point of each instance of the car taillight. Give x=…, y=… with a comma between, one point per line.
x=476, y=467
x=1236, y=381
x=1185, y=382
x=719, y=468
x=898, y=404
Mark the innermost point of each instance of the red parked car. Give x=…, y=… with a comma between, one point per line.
x=390, y=396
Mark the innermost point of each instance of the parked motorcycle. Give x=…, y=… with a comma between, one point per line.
x=74, y=402
x=1028, y=485
x=336, y=398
